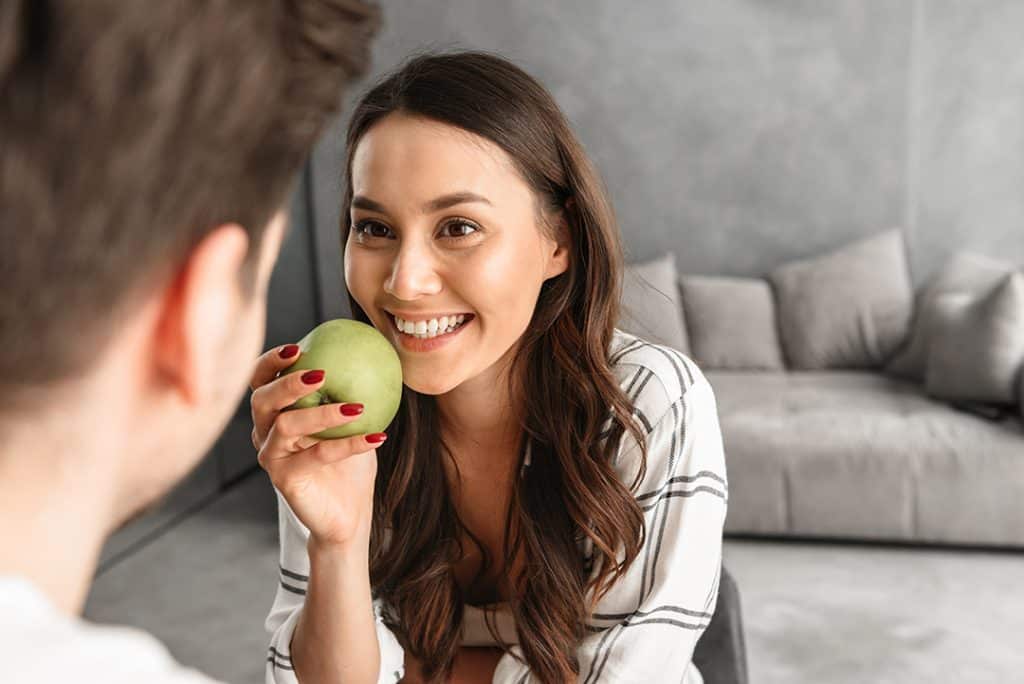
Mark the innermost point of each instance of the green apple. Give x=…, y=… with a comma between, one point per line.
x=360, y=366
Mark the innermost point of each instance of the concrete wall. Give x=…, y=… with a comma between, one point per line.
x=742, y=133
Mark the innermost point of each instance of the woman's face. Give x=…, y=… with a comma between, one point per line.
x=444, y=230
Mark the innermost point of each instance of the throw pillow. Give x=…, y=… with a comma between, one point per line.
x=731, y=322
x=847, y=309
x=650, y=303
x=978, y=348
x=964, y=272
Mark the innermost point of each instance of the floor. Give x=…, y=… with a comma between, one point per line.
x=814, y=612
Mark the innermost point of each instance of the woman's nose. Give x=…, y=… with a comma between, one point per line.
x=413, y=275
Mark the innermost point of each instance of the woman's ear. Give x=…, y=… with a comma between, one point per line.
x=559, y=248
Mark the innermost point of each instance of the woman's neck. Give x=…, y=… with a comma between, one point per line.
x=481, y=419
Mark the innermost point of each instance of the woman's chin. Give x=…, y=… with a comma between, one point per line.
x=431, y=386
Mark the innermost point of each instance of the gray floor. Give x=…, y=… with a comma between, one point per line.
x=204, y=587
x=840, y=613
x=813, y=612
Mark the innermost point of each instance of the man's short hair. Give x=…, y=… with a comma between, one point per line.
x=128, y=130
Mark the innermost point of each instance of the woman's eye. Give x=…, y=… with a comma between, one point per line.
x=460, y=229
x=372, y=229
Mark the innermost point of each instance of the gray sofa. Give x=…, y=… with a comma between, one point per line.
x=861, y=455
x=836, y=421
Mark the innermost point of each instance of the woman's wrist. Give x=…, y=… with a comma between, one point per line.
x=351, y=554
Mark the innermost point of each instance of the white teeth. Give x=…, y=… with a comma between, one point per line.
x=431, y=328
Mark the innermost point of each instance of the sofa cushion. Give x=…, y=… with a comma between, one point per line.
x=964, y=272
x=731, y=322
x=847, y=309
x=978, y=345
x=858, y=454
x=651, y=308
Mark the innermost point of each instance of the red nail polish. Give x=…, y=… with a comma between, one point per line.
x=288, y=351
x=351, y=409
x=312, y=377
x=376, y=438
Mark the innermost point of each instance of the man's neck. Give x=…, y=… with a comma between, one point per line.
x=56, y=508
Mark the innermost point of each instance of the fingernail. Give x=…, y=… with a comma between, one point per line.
x=376, y=438
x=312, y=377
x=288, y=351
x=351, y=409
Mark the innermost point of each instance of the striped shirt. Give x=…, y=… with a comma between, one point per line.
x=645, y=628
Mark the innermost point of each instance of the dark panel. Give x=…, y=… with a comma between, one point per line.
x=292, y=299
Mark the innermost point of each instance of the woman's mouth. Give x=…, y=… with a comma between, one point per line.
x=427, y=335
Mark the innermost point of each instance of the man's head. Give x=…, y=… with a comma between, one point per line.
x=146, y=152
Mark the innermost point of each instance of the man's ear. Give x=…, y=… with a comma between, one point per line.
x=200, y=304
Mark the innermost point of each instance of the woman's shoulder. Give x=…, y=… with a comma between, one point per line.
x=653, y=376
x=677, y=411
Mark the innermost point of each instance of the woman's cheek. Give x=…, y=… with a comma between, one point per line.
x=508, y=287
x=358, y=278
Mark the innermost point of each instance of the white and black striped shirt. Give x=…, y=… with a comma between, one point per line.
x=645, y=628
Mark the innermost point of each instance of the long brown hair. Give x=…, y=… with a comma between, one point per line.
x=570, y=491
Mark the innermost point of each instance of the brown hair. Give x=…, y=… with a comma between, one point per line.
x=570, y=491
x=132, y=129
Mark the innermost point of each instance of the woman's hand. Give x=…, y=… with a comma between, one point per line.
x=327, y=483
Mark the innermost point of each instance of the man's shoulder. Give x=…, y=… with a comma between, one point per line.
x=47, y=646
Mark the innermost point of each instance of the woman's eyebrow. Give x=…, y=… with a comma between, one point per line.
x=436, y=204
x=450, y=200
x=363, y=202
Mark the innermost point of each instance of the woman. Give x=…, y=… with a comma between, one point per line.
x=548, y=505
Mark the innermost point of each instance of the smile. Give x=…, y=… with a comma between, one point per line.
x=430, y=328
x=430, y=334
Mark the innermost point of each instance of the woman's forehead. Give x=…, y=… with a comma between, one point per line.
x=409, y=155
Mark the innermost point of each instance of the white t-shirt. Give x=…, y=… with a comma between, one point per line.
x=42, y=645
x=646, y=627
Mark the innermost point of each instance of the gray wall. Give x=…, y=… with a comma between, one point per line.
x=741, y=133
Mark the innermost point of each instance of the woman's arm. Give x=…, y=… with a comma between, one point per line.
x=301, y=577
x=338, y=611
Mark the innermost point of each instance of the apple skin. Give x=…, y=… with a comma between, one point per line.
x=360, y=365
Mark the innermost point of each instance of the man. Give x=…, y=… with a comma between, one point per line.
x=147, y=150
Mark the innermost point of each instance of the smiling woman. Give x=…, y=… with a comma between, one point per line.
x=550, y=483
x=443, y=223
